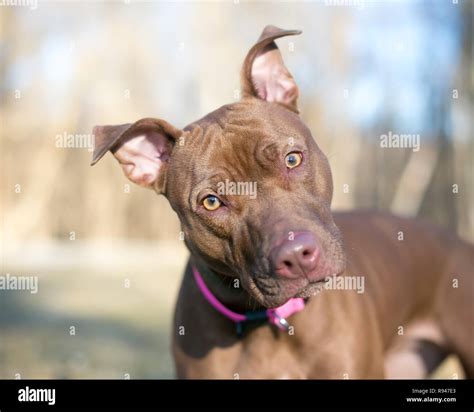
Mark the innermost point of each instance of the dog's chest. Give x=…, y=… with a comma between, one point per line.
x=270, y=361
x=267, y=353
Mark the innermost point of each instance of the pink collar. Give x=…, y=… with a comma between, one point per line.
x=276, y=316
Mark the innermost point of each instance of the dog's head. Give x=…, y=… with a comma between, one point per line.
x=249, y=183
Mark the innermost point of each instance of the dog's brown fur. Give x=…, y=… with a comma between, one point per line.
x=340, y=333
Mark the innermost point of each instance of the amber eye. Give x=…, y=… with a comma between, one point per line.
x=211, y=203
x=293, y=160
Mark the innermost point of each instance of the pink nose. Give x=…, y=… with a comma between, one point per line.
x=297, y=257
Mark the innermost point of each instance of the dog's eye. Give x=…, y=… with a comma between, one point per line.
x=211, y=203
x=293, y=160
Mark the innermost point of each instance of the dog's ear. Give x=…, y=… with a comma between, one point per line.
x=264, y=74
x=142, y=148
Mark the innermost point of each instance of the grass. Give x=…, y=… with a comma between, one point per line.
x=119, y=298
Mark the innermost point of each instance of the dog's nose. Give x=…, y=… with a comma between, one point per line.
x=296, y=257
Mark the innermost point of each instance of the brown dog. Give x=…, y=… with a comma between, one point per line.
x=415, y=281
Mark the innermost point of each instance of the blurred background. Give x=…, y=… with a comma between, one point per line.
x=107, y=254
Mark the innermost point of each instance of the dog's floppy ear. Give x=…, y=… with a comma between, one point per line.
x=264, y=74
x=142, y=148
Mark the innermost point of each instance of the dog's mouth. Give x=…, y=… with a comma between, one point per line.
x=279, y=294
x=311, y=289
x=292, y=271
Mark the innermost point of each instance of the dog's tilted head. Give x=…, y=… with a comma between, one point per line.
x=248, y=182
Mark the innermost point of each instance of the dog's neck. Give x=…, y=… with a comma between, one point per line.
x=225, y=289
